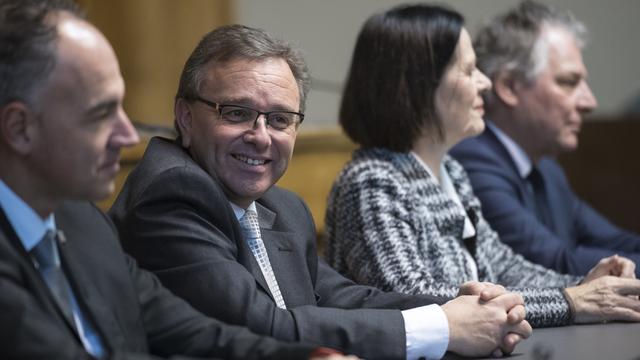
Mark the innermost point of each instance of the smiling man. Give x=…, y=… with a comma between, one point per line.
x=203, y=213
x=68, y=290
x=534, y=111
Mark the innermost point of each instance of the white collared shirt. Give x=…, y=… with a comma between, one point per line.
x=518, y=155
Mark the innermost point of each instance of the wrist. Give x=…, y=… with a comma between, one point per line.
x=568, y=296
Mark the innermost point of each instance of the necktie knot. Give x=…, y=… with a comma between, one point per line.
x=250, y=225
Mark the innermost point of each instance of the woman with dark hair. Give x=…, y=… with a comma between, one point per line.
x=402, y=215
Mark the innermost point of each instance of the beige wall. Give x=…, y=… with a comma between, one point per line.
x=326, y=31
x=152, y=39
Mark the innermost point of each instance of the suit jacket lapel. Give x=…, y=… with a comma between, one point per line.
x=526, y=194
x=89, y=300
x=286, y=263
x=41, y=288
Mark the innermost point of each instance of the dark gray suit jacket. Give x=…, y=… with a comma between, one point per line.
x=132, y=312
x=175, y=219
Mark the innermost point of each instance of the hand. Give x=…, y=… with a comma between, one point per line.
x=606, y=298
x=479, y=328
x=487, y=292
x=613, y=265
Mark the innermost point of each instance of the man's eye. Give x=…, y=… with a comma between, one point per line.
x=568, y=83
x=280, y=120
x=237, y=114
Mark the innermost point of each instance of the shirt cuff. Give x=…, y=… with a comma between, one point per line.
x=427, y=330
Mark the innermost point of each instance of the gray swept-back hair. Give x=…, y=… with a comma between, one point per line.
x=511, y=42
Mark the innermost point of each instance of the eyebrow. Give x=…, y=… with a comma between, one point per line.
x=102, y=106
x=245, y=101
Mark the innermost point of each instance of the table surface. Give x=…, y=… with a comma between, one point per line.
x=612, y=341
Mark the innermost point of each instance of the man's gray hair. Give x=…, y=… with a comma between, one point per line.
x=234, y=42
x=512, y=41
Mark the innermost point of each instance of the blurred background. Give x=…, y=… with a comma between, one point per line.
x=153, y=38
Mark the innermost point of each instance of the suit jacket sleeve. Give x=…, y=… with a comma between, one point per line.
x=590, y=237
x=181, y=227
x=174, y=327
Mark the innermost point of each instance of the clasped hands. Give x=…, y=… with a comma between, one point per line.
x=485, y=319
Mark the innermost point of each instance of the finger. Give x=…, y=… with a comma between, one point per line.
x=471, y=288
x=492, y=291
x=509, y=343
x=627, y=268
x=508, y=300
x=496, y=353
x=623, y=314
x=624, y=286
x=516, y=314
x=522, y=328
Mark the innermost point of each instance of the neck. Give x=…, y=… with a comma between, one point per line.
x=29, y=188
x=506, y=120
x=431, y=152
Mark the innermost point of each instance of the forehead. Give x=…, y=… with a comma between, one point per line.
x=464, y=53
x=564, y=54
x=86, y=67
x=266, y=82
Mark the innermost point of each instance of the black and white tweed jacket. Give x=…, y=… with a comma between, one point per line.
x=389, y=224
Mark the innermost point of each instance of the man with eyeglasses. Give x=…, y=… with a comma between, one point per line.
x=203, y=213
x=67, y=290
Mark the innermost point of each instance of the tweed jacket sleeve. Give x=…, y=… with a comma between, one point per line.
x=390, y=225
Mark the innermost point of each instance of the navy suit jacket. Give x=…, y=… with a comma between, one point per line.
x=175, y=220
x=132, y=312
x=578, y=237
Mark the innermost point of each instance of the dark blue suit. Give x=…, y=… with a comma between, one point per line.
x=577, y=238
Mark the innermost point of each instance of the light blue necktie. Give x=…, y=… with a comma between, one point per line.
x=47, y=261
x=251, y=232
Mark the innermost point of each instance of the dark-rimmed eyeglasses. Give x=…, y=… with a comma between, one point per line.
x=243, y=115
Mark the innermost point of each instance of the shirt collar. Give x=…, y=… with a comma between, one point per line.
x=239, y=212
x=519, y=157
x=28, y=225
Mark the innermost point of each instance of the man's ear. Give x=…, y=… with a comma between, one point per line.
x=505, y=87
x=184, y=121
x=18, y=127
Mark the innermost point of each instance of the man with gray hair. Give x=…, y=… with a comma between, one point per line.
x=534, y=111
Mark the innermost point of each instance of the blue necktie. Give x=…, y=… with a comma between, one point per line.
x=47, y=261
x=536, y=182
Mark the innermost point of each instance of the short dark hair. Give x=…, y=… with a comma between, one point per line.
x=397, y=65
x=27, y=45
x=233, y=42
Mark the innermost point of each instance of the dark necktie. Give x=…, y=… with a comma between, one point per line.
x=49, y=266
x=536, y=181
